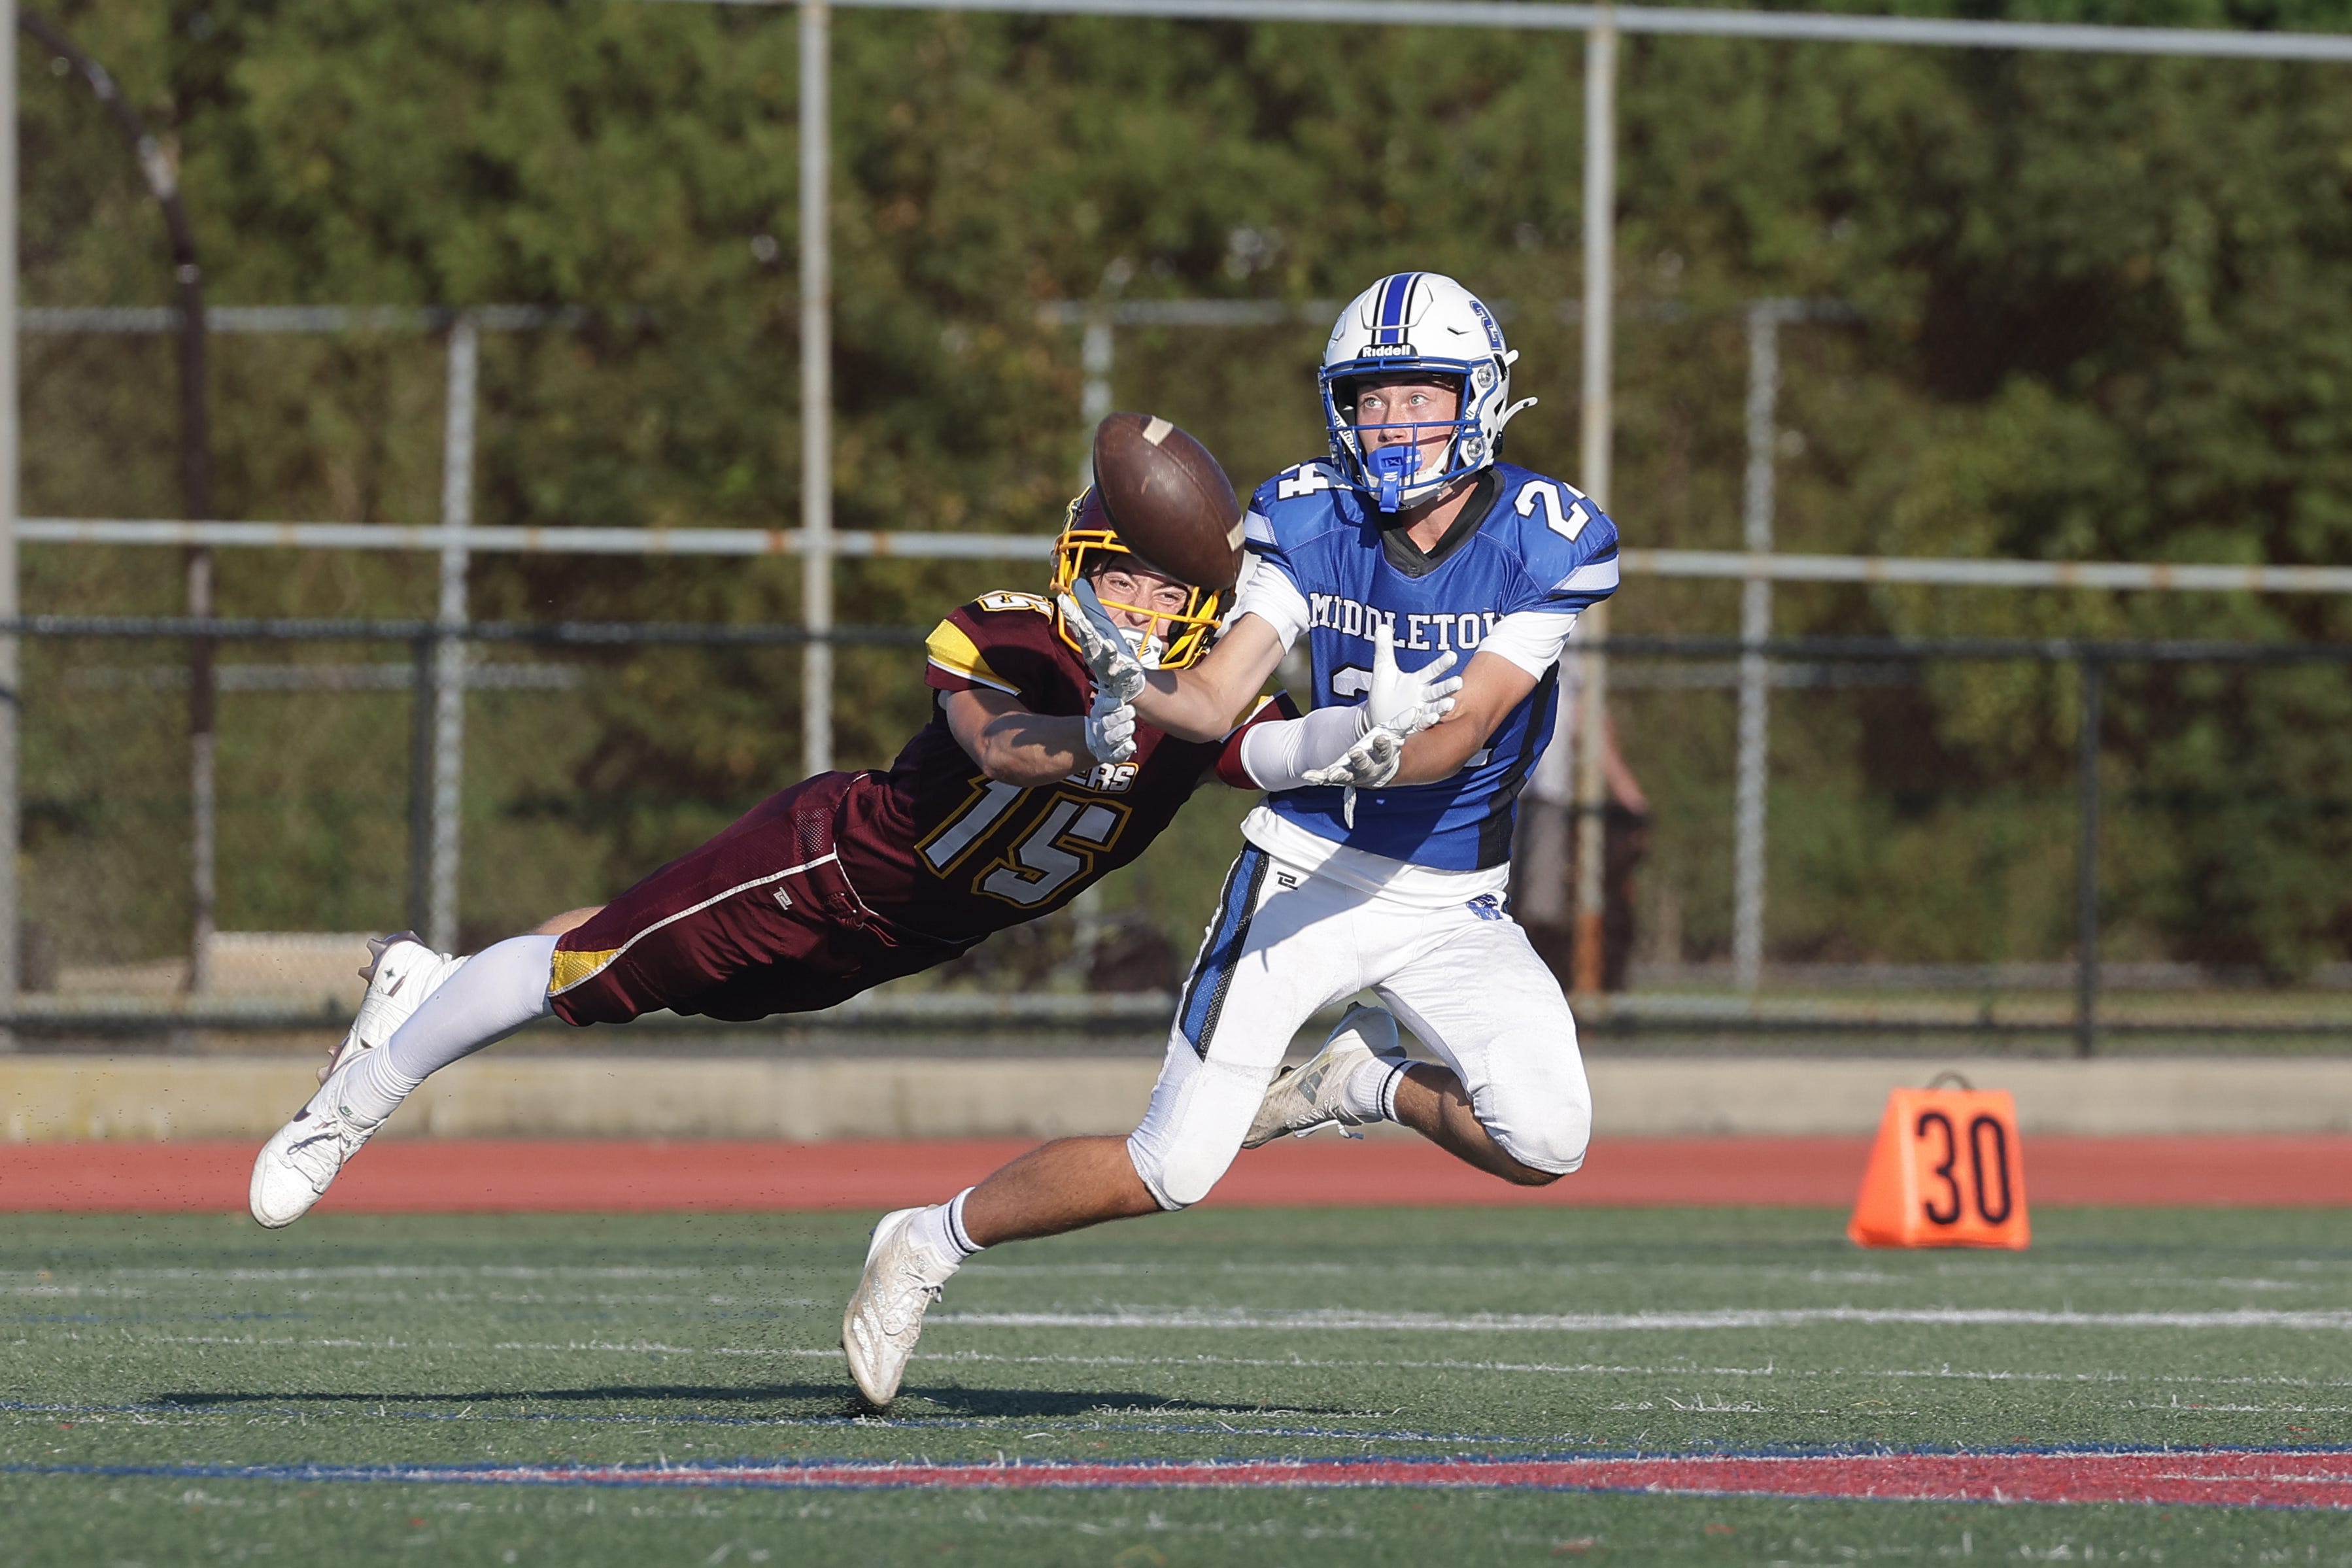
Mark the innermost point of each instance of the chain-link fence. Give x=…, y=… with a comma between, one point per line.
x=1953, y=825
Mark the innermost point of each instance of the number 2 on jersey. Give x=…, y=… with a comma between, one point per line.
x=1545, y=493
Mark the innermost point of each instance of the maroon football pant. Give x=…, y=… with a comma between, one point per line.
x=757, y=922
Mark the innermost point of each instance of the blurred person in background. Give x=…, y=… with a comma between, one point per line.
x=1543, y=864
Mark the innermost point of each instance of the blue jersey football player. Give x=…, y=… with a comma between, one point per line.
x=1379, y=856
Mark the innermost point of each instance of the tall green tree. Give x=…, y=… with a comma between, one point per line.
x=2103, y=313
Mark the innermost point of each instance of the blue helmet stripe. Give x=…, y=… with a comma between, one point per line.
x=1392, y=304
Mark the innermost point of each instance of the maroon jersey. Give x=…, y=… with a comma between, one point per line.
x=939, y=848
x=845, y=880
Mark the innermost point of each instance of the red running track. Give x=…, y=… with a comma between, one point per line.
x=495, y=1176
x=2290, y=1478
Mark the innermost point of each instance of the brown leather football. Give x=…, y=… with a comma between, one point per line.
x=1169, y=500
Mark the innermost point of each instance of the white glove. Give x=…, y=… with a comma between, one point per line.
x=1110, y=730
x=1405, y=702
x=1371, y=763
x=1116, y=671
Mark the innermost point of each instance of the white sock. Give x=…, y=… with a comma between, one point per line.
x=941, y=1228
x=1372, y=1090
x=499, y=990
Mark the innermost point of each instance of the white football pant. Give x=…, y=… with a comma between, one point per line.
x=1285, y=944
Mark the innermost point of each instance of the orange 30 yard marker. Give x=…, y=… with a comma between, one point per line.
x=1947, y=1170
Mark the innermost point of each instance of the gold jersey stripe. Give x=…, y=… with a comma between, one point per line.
x=571, y=968
x=954, y=651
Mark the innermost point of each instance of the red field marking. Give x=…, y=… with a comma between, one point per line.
x=2301, y=1479
x=513, y=1175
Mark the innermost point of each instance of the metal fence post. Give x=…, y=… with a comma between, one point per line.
x=1093, y=401
x=816, y=389
x=420, y=785
x=195, y=474
x=1094, y=407
x=2086, y=863
x=450, y=656
x=204, y=789
x=10, y=669
x=1764, y=318
x=1097, y=354
x=1599, y=288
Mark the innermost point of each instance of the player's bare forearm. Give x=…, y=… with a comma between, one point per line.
x=1030, y=749
x=1180, y=702
x=1439, y=752
x=1013, y=745
x=1201, y=703
x=1491, y=687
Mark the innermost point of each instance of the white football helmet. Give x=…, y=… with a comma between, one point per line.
x=1418, y=321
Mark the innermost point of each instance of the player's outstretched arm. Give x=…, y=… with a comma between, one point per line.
x=1200, y=702
x=1491, y=687
x=1013, y=745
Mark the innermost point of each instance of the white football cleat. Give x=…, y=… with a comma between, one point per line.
x=1314, y=1095
x=884, y=1318
x=401, y=973
x=302, y=1158
x=300, y=1161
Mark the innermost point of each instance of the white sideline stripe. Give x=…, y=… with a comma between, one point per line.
x=1561, y=1369
x=1620, y=1323
x=2037, y=1271
x=715, y=898
x=413, y=1271
x=1683, y=1374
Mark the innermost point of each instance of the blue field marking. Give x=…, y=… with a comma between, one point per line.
x=2139, y=1477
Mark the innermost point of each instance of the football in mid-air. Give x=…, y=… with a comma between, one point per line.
x=1169, y=500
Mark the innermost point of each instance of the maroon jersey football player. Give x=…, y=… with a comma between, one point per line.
x=1024, y=790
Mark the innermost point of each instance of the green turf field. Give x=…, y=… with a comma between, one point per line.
x=159, y=1345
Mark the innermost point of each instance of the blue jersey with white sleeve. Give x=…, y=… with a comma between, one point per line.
x=1526, y=554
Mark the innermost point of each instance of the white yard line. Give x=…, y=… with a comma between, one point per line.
x=1206, y=1363
x=2322, y=1273
x=1638, y=1323
x=416, y=1271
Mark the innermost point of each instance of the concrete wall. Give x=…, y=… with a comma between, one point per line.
x=1695, y=1096
x=48, y=1097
